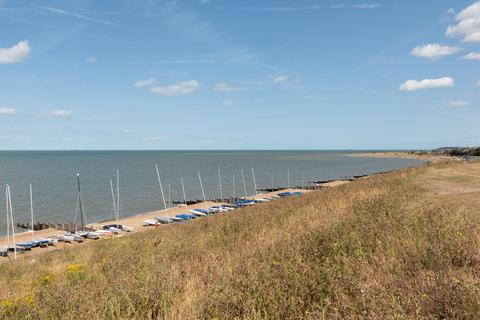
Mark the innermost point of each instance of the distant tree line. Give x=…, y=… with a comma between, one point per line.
x=458, y=151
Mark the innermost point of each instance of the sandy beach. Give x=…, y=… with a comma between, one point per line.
x=430, y=158
x=135, y=221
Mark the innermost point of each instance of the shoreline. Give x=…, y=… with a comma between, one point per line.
x=428, y=158
x=135, y=221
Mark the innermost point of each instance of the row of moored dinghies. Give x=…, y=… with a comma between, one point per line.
x=83, y=233
x=200, y=213
x=80, y=235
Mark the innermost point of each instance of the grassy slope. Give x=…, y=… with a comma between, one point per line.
x=377, y=248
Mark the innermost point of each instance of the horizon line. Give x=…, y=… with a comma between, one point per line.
x=347, y=149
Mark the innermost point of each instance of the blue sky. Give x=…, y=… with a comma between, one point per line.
x=198, y=74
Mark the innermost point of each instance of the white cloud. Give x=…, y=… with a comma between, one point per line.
x=177, y=89
x=472, y=56
x=413, y=85
x=280, y=78
x=228, y=103
x=204, y=1
x=458, y=103
x=477, y=84
x=433, y=51
x=225, y=87
x=4, y=110
x=15, y=53
x=60, y=113
x=474, y=37
x=155, y=139
x=143, y=83
x=468, y=24
x=92, y=60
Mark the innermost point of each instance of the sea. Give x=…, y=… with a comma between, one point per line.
x=53, y=176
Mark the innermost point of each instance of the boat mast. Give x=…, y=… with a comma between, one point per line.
x=82, y=218
x=161, y=187
x=31, y=210
x=254, y=182
x=233, y=183
x=118, y=196
x=183, y=189
x=169, y=198
x=113, y=200
x=203, y=191
x=288, y=178
x=11, y=222
x=8, y=217
x=244, y=186
x=220, y=184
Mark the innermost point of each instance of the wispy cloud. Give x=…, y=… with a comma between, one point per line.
x=145, y=83
x=15, y=53
x=13, y=137
x=177, y=89
x=458, y=103
x=204, y=1
x=359, y=6
x=280, y=78
x=228, y=103
x=190, y=24
x=7, y=111
x=155, y=138
x=434, y=51
x=10, y=128
x=225, y=87
x=472, y=56
x=448, y=15
x=186, y=61
x=91, y=60
x=75, y=15
x=60, y=113
x=414, y=85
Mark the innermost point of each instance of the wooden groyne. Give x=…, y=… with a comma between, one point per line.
x=63, y=226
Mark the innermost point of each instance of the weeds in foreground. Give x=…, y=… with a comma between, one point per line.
x=378, y=248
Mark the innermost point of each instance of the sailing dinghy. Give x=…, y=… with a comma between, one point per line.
x=150, y=222
x=164, y=220
x=199, y=212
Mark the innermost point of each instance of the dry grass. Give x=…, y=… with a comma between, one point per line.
x=454, y=178
x=377, y=248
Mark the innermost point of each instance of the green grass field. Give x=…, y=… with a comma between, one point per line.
x=378, y=248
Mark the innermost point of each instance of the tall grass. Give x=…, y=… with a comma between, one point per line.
x=377, y=248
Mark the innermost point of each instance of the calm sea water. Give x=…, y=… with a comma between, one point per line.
x=53, y=176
